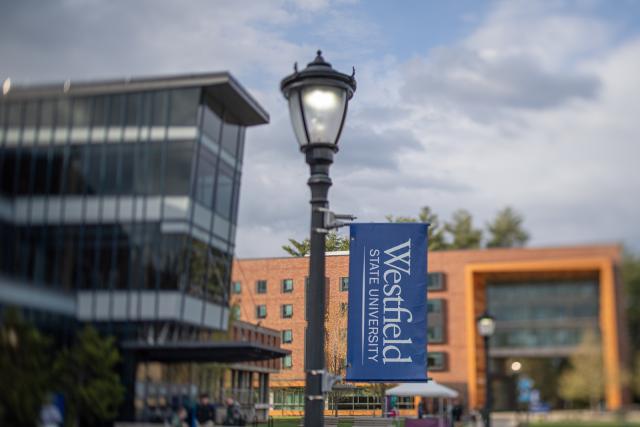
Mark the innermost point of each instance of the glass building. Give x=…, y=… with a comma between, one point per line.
x=119, y=203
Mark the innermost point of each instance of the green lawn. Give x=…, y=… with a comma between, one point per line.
x=584, y=424
x=295, y=422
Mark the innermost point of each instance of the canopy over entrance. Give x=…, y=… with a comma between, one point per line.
x=428, y=389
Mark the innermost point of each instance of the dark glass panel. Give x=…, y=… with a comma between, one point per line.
x=224, y=191
x=217, y=276
x=160, y=104
x=14, y=116
x=230, y=138
x=236, y=198
x=126, y=168
x=206, y=176
x=67, y=259
x=110, y=153
x=122, y=261
x=140, y=170
x=184, y=107
x=63, y=113
x=197, y=268
x=21, y=186
x=94, y=155
x=8, y=259
x=54, y=169
x=75, y=180
x=81, y=112
x=211, y=123
x=146, y=111
x=8, y=172
x=117, y=110
x=155, y=174
x=134, y=109
x=47, y=111
x=136, y=257
x=39, y=165
x=172, y=261
x=241, y=135
x=31, y=114
x=178, y=167
x=100, y=111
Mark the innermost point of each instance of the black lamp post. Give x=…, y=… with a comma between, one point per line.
x=486, y=328
x=318, y=98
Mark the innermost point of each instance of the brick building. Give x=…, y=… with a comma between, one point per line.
x=544, y=300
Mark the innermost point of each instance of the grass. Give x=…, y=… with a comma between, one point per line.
x=585, y=424
x=295, y=422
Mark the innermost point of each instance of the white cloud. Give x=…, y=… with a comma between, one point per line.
x=535, y=108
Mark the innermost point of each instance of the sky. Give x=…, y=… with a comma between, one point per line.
x=467, y=104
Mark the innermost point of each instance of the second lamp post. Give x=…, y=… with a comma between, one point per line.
x=318, y=98
x=486, y=328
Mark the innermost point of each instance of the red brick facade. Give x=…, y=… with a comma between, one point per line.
x=458, y=293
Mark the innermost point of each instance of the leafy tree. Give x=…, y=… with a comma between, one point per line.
x=463, y=235
x=584, y=380
x=88, y=377
x=631, y=281
x=506, y=230
x=334, y=242
x=298, y=249
x=24, y=369
x=636, y=376
x=437, y=239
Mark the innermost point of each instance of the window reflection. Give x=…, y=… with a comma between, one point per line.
x=224, y=191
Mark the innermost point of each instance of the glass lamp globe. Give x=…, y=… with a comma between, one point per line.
x=486, y=325
x=318, y=98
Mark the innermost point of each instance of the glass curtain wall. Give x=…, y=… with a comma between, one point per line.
x=89, y=187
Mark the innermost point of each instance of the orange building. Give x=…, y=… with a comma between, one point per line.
x=543, y=299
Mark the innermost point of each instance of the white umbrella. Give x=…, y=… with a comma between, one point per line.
x=428, y=389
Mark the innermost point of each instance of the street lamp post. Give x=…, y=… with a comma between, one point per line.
x=486, y=328
x=318, y=98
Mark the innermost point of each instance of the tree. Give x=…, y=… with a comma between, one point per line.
x=506, y=230
x=636, y=375
x=298, y=249
x=631, y=281
x=463, y=235
x=584, y=380
x=336, y=336
x=24, y=369
x=437, y=239
x=334, y=242
x=89, y=380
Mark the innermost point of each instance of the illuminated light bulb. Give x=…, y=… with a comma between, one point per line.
x=321, y=99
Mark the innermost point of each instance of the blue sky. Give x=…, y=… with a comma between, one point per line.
x=463, y=104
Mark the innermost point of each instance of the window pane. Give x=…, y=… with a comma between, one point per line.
x=117, y=110
x=261, y=286
x=178, y=168
x=184, y=107
x=237, y=287
x=206, y=176
x=160, y=103
x=224, y=191
x=81, y=112
x=134, y=105
x=230, y=138
x=211, y=124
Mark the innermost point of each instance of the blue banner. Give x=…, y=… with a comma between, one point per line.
x=387, y=327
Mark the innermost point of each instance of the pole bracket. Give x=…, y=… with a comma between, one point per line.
x=315, y=397
x=333, y=220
